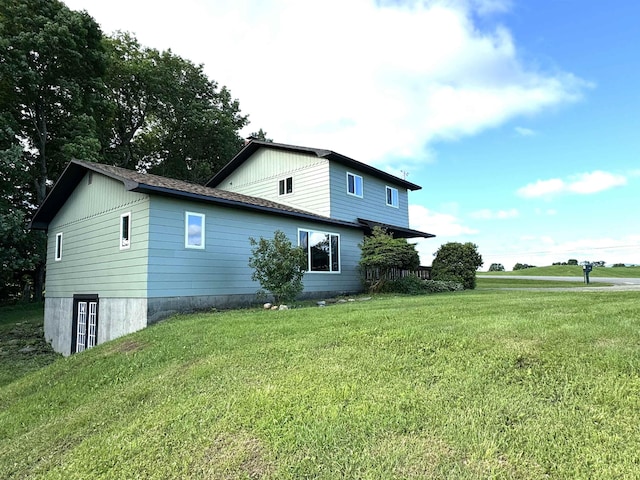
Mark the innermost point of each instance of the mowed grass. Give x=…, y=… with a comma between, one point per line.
x=471, y=385
x=573, y=271
x=506, y=282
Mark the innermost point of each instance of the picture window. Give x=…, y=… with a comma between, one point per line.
x=322, y=250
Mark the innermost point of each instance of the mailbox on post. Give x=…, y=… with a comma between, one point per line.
x=587, y=269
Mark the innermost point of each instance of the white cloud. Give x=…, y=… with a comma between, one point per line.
x=440, y=224
x=542, y=188
x=372, y=82
x=525, y=132
x=486, y=214
x=583, y=184
x=549, y=211
x=445, y=226
x=594, y=182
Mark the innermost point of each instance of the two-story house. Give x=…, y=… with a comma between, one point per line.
x=126, y=249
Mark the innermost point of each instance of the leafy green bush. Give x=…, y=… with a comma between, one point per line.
x=457, y=262
x=278, y=266
x=412, y=285
x=381, y=254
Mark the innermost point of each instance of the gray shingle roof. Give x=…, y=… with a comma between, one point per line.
x=254, y=145
x=154, y=184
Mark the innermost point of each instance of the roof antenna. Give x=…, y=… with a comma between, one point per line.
x=405, y=174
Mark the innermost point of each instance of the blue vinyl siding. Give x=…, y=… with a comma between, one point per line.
x=222, y=267
x=372, y=205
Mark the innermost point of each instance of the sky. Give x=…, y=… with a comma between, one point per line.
x=520, y=119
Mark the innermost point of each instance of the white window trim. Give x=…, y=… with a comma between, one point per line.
x=124, y=245
x=355, y=185
x=314, y=272
x=186, y=231
x=397, y=196
x=58, y=247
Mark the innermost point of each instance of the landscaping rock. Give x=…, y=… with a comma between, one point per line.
x=283, y=307
x=321, y=303
x=267, y=306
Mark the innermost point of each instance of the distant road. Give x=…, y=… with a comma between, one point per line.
x=615, y=281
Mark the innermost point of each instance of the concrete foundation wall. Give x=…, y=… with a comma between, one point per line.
x=116, y=317
x=120, y=316
x=58, y=322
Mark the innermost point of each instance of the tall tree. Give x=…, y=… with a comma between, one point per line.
x=51, y=66
x=21, y=251
x=167, y=116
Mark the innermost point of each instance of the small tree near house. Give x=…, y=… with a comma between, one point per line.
x=457, y=262
x=381, y=254
x=278, y=266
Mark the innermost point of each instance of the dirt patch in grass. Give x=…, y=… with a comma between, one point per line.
x=128, y=346
x=415, y=456
x=235, y=455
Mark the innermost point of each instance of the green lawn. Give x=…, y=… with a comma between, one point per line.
x=484, y=384
x=573, y=271
x=506, y=282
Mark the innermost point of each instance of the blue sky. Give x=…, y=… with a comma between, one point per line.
x=520, y=119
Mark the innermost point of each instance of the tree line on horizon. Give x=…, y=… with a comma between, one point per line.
x=498, y=267
x=68, y=91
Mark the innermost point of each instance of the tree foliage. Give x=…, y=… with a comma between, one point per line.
x=381, y=253
x=278, y=266
x=67, y=91
x=51, y=67
x=522, y=266
x=167, y=117
x=457, y=262
x=496, y=267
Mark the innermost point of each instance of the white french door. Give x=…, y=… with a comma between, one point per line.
x=85, y=325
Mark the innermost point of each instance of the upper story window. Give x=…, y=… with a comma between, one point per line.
x=125, y=231
x=58, y=255
x=286, y=186
x=354, y=184
x=194, y=230
x=392, y=197
x=322, y=250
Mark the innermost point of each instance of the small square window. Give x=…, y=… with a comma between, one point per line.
x=58, y=255
x=354, y=184
x=125, y=231
x=392, y=197
x=286, y=186
x=194, y=230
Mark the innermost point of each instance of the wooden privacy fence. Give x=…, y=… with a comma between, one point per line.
x=373, y=275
